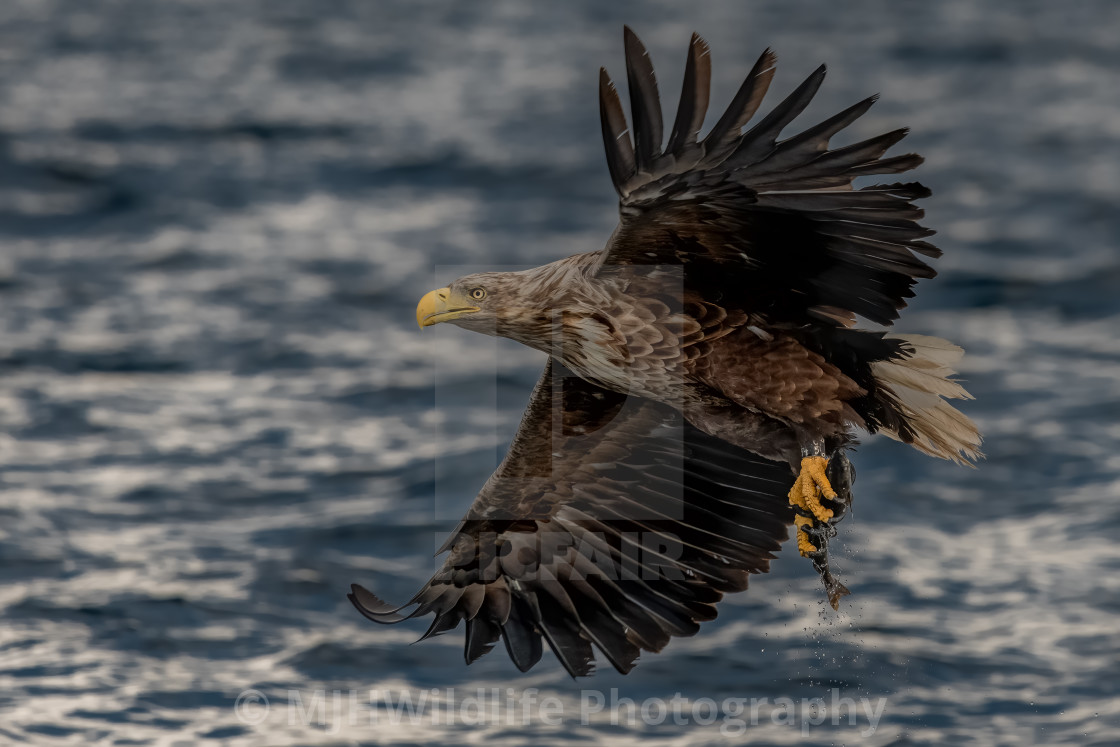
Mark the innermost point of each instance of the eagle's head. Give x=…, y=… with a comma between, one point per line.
x=529, y=306
x=470, y=302
x=493, y=303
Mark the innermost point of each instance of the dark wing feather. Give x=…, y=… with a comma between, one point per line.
x=523, y=640
x=616, y=136
x=769, y=226
x=728, y=129
x=611, y=524
x=645, y=104
x=482, y=634
x=694, y=98
x=763, y=137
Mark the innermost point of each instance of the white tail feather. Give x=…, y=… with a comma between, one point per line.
x=918, y=383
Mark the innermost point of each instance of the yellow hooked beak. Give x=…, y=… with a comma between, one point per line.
x=440, y=306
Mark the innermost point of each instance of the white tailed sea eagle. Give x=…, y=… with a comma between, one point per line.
x=705, y=379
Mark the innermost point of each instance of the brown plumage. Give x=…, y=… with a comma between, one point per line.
x=725, y=305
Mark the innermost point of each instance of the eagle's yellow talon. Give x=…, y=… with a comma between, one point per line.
x=795, y=497
x=810, y=485
x=815, y=466
x=804, y=546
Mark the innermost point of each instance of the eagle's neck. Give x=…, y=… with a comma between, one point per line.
x=565, y=311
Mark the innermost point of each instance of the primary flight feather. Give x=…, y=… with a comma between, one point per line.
x=706, y=376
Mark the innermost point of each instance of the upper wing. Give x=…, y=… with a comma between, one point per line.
x=610, y=522
x=770, y=226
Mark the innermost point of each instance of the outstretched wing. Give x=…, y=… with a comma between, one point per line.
x=611, y=522
x=772, y=227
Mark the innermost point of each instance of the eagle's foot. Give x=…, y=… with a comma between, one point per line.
x=816, y=525
x=810, y=486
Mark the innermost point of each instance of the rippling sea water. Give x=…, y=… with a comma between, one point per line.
x=216, y=411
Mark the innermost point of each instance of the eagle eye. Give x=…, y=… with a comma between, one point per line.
x=477, y=294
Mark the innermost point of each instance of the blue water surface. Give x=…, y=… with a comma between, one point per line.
x=216, y=411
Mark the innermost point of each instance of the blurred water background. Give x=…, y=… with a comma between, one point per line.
x=216, y=411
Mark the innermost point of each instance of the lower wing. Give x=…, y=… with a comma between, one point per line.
x=610, y=524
